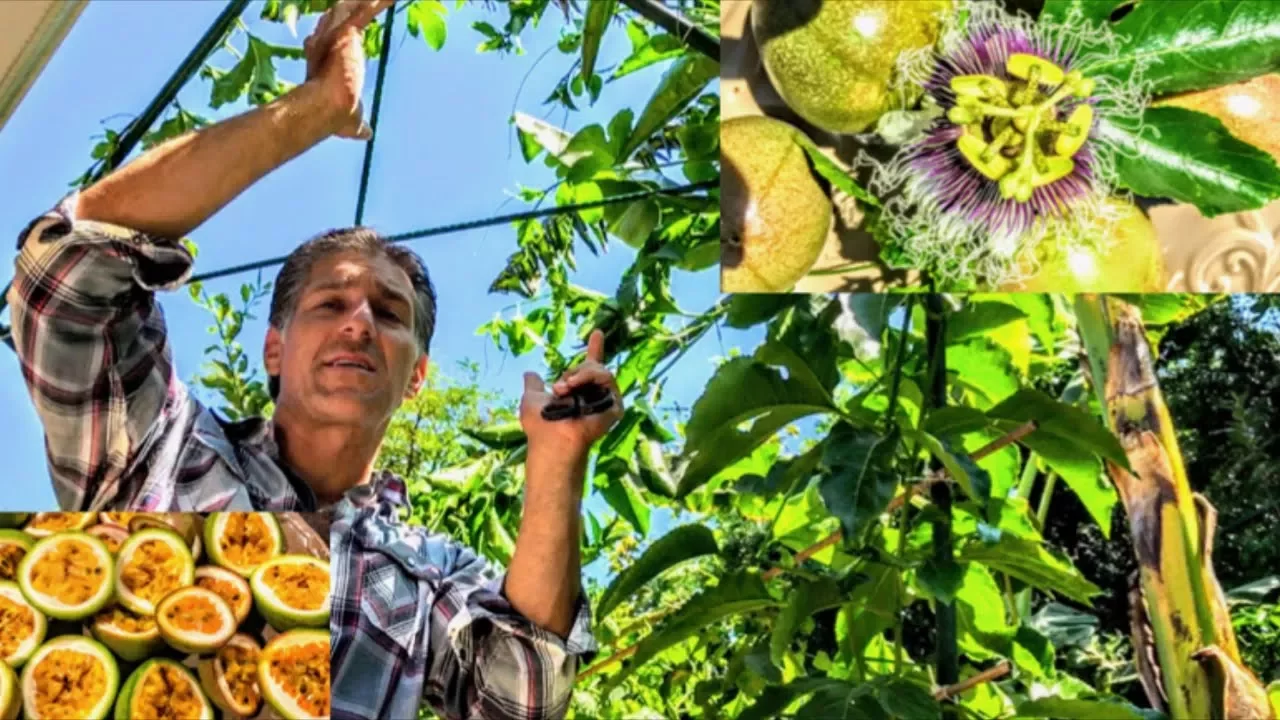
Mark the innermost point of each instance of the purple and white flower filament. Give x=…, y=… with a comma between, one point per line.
x=1015, y=155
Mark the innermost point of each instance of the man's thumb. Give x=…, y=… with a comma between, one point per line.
x=533, y=383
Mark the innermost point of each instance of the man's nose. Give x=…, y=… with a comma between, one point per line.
x=359, y=322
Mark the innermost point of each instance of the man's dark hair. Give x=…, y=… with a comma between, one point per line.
x=297, y=268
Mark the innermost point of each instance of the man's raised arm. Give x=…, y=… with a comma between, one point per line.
x=176, y=186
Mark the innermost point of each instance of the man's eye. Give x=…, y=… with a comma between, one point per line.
x=388, y=315
x=332, y=304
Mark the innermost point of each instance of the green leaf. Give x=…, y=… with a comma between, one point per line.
x=659, y=48
x=1059, y=420
x=737, y=593
x=427, y=16
x=681, y=84
x=654, y=471
x=902, y=698
x=1032, y=563
x=1057, y=708
x=805, y=600
x=748, y=309
x=613, y=479
x=975, y=481
x=977, y=319
x=1166, y=308
x=500, y=541
x=870, y=311
x=983, y=367
x=680, y=545
x=1070, y=441
x=777, y=698
x=954, y=420
x=587, y=153
x=727, y=423
x=594, y=26
x=637, y=222
x=1190, y=157
x=859, y=483
x=1059, y=11
x=1202, y=44
x=835, y=174
x=504, y=436
x=940, y=579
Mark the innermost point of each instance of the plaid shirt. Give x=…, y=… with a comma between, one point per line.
x=416, y=617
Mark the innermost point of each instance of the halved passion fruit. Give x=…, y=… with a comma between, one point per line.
x=293, y=674
x=119, y=519
x=151, y=564
x=195, y=620
x=67, y=576
x=230, y=677
x=163, y=688
x=10, y=694
x=131, y=636
x=14, y=545
x=13, y=519
x=187, y=525
x=113, y=535
x=47, y=523
x=70, y=677
x=22, y=626
x=241, y=541
x=292, y=591
x=230, y=586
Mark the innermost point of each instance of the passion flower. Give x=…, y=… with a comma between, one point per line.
x=1014, y=154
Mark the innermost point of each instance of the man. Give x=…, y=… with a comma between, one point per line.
x=416, y=617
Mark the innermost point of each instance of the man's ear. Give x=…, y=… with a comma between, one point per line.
x=417, y=378
x=272, y=350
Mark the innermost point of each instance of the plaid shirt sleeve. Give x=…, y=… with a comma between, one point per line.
x=92, y=345
x=420, y=620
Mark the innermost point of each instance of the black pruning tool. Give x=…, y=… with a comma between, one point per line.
x=587, y=399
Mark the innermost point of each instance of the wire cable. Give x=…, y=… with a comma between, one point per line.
x=475, y=224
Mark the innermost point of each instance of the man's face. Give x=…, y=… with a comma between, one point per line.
x=348, y=355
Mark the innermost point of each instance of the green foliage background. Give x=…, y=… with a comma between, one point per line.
x=823, y=428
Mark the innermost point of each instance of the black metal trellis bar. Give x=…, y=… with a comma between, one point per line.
x=678, y=25
x=377, y=107
x=141, y=124
x=475, y=224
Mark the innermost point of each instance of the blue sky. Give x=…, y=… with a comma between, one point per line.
x=445, y=153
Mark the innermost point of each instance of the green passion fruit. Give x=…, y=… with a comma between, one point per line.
x=14, y=545
x=13, y=519
x=229, y=586
x=10, y=693
x=230, y=676
x=151, y=564
x=69, y=677
x=47, y=523
x=241, y=541
x=162, y=688
x=22, y=626
x=67, y=575
x=776, y=215
x=835, y=63
x=187, y=525
x=1132, y=262
x=195, y=620
x=292, y=591
x=293, y=673
x=131, y=636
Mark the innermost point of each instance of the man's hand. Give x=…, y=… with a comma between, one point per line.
x=572, y=437
x=335, y=62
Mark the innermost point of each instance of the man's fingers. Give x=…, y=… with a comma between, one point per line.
x=367, y=11
x=595, y=346
x=533, y=383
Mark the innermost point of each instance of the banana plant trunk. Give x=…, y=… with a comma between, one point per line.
x=1185, y=648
